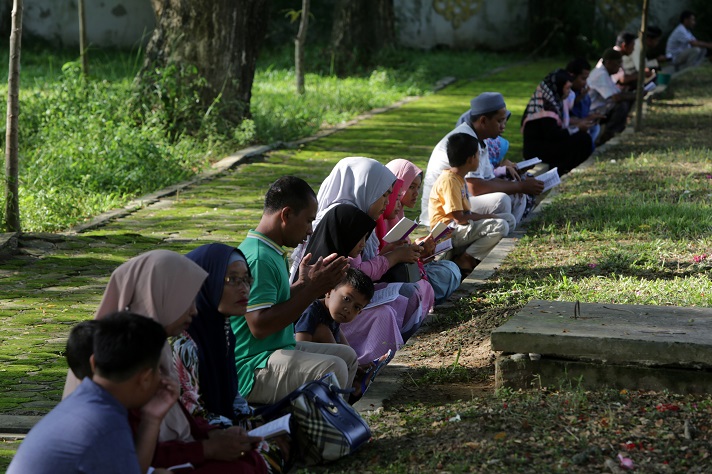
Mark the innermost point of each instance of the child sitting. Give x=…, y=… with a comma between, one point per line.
x=475, y=234
x=321, y=321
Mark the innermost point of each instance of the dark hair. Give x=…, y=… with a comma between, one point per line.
x=577, y=66
x=611, y=54
x=359, y=281
x=288, y=191
x=126, y=343
x=489, y=115
x=561, y=77
x=461, y=146
x=685, y=15
x=653, y=32
x=625, y=38
x=80, y=347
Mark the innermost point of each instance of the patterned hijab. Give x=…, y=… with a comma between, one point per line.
x=161, y=285
x=546, y=100
x=215, y=341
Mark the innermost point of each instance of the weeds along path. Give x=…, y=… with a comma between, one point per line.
x=57, y=280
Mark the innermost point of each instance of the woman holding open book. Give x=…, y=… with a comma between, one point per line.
x=443, y=275
x=365, y=185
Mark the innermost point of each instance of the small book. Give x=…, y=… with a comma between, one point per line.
x=528, y=163
x=400, y=231
x=274, y=428
x=550, y=179
x=440, y=231
x=383, y=296
x=443, y=246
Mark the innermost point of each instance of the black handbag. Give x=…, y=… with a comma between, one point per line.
x=402, y=273
x=324, y=426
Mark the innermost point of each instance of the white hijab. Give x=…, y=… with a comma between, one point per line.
x=357, y=181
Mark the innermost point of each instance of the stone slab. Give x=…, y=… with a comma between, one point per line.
x=556, y=373
x=17, y=424
x=638, y=334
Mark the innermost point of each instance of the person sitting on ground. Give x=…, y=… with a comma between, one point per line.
x=141, y=284
x=683, y=49
x=488, y=194
x=270, y=362
x=607, y=99
x=80, y=347
x=653, y=60
x=89, y=431
x=321, y=321
x=476, y=234
x=443, y=275
x=204, y=354
x=627, y=75
x=579, y=102
x=367, y=185
x=546, y=135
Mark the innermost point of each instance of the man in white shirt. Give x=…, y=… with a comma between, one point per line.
x=607, y=98
x=683, y=48
x=488, y=194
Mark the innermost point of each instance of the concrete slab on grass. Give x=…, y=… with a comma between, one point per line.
x=638, y=334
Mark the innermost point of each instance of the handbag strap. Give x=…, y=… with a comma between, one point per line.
x=267, y=410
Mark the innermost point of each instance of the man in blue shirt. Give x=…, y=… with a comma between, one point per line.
x=88, y=432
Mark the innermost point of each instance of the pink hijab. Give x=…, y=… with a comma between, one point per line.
x=161, y=285
x=406, y=172
x=383, y=225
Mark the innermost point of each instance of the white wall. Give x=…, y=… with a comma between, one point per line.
x=467, y=24
x=122, y=23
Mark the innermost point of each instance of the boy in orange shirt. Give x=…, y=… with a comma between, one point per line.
x=475, y=234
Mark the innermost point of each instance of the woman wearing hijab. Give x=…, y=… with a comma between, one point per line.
x=545, y=126
x=162, y=285
x=443, y=275
x=366, y=184
x=204, y=354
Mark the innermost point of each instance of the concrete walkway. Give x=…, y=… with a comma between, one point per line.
x=54, y=280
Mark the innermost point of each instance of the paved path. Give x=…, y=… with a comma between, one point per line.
x=56, y=280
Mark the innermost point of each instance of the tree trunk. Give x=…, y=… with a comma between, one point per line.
x=639, y=92
x=83, y=39
x=360, y=29
x=12, y=202
x=221, y=39
x=299, y=42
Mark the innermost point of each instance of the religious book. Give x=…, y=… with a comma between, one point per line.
x=528, y=163
x=383, y=296
x=550, y=179
x=443, y=246
x=400, y=231
x=441, y=231
x=274, y=428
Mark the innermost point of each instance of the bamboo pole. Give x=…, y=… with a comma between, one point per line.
x=12, y=201
x=639, y=91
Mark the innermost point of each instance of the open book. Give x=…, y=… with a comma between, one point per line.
x=274, y=428
x=550, y=179
x=400, y=231
x=440, y=231
x=528, y=163
x=383, y=296
x=443, y=246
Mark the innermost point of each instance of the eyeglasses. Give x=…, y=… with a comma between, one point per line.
x=236, y=281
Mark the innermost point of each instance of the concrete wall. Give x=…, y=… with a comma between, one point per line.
x=466, y=24
x=120, y=23
x=662, y=13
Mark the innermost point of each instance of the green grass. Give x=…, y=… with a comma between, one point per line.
x=83, y=150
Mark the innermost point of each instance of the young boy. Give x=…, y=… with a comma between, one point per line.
x=89, y=430
x=321, y=321
x=475, y=234
x=80, y=347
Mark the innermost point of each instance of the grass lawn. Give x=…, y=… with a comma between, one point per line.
x=634, y=230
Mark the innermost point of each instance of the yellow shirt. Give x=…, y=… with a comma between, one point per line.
x=449, y=194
